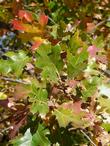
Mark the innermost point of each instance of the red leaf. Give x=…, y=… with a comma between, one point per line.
x=18, y=25
x=26, y=15
x=92, y=51
x=36, y=45
x=43, y=19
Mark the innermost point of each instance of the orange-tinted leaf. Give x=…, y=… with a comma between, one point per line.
x=21, y=92
x=32, y=29
x=90, y=27
x=43, y=19
x=25, y=15
x=18, y=25
x=36, y=44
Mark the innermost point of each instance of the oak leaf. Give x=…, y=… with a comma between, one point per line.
x=43, y=19
x=25, y=15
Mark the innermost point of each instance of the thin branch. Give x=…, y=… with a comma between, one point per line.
x=52, y=20
x=88, y=138
x=100, y=23
x=106, y=72
x=14, y=80
x=6, y=129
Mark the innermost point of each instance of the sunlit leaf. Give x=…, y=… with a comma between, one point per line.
x=3, y=96
x=106, y=126
x=26, y=140
x=5, y=67
x=108, y=24
x=104, y=103
x=104, y=90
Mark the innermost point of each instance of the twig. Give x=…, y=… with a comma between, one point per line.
x=6, y=129
x=102, y=22
x=88, y=138
x=99, y=24
x=106, y=72
x=52, y=20
x=14, y=80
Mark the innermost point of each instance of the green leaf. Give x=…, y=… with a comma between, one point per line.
x=88, y=92
x=99, y=42
x=26, y=140
x=3, y=96
x=5, y=67
x=64, y=116
x=56, y=57
x=39, y=101
x=44, y=50
x=108, y=24
x=39, y=138
x=18, y=60
x=5, y=15
x=54, y=31
x=48, y=59
x=106, y=126
x=14, y=64
x=75, y=42
x=50, y=73
x=105, y=103
x=90, y=87
x=76, y=64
